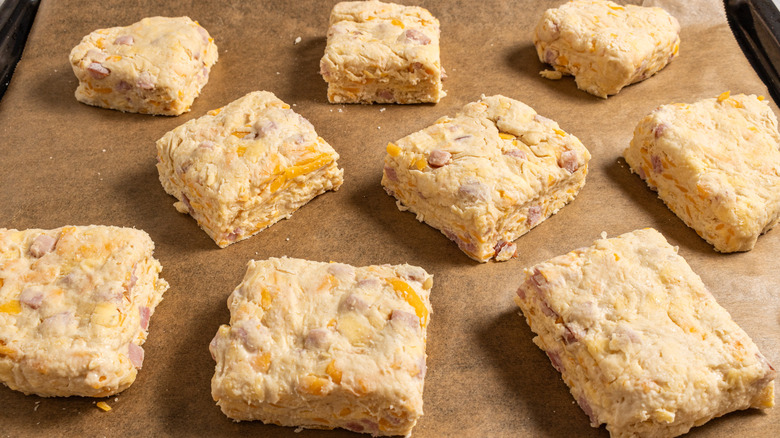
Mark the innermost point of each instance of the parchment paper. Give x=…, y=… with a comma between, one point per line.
x=63, y=162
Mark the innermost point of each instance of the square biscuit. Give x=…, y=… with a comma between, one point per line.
x=716, y=165
x=75, y=304
x=640, y=341
x=246, y=166
x=155, y=66
x=605, y=46
x=382, y=53
x=486, y=176
x=325, y=345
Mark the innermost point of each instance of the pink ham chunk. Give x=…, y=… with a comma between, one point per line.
x=97, y=70
x=136, y=355
x=42, y=245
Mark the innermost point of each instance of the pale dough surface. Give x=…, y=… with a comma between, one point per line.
x=605, y=46
x=245, y=166
x=325, y=345
x=155, y=66
x=486, y=176
x=716, y=165
x=382, y=53
x=640, y=341
x=75, y=304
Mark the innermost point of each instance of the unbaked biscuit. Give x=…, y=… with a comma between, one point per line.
x=716, y=165
x=75, y=304
x=640, y=341
x=246, y=166
x=325, y=345
x=383, y=53
x=605, y=46
x=155, y=66
x=486, y=176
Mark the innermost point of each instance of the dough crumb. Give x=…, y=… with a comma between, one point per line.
x=297, y=40
x=551, y=74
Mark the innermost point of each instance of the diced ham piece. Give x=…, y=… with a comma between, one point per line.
x=641, y=173
x=186, y=201
x=325, y=70
x=572, y=333
x=541, y=119
x=438, y=158
x=207, y=144
x=213, y=346
x=413, y=273
x=136, y=355
x=468, y=247
x=240, y=334
x=659, y=130
x=462, y=137
x=386, y=94
x=234, y=235
x=550, y=56
x=369, y=283
x=341, y=270
x=422, y=367
x=504, y=250
x=31, y=297
x=516, y=153
x=658, y=167
x=537, y=279
x=59, y=324
x=145, y=313
x=370, y=427
x=97, y=70
x=417, y=37
x=203, y=34
x=555, y=360
x=145, y=81
x=473, y=191
x=354, y=427
x=354, y=302
x=390, y=173
x=317, y=338
x=123, y=86
x=534, y=215
x=42, y=245
x=265, y=127
x=405, y=318
x=568, y=161
x=588, y=411
x=546, y=309
x=126, y=40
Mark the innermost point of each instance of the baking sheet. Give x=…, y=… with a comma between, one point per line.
x=67, y=163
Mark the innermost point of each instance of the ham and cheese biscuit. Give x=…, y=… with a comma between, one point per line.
x=605, y=46
x=383, y=53
x=325, y=345
x=486, y=176
x=243, y=167
x=155, y=66
x=716, y=165
x=640, y=341
x=75, y=304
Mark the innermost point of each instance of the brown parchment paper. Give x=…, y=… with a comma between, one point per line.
x=63, y=162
